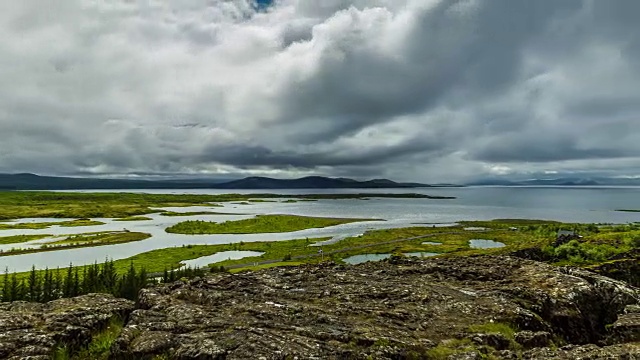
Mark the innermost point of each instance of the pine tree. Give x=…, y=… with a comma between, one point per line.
x=85, y=286
x=34, y=286
x=5, y=286
x=109, y=278
x=57, y=288
x=15, y=288
x=68, y=282
x=75, y=286
x=47, y=286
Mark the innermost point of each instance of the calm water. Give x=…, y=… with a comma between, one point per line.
x=570, y=204
x=485, y=244
x=363, y=258
x=218, y=257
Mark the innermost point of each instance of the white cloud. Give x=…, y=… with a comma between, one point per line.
x=417, y=90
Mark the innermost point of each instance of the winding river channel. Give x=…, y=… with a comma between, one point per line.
x=579, y=204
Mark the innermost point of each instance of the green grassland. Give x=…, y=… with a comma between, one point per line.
x=134, y=218
x=259, y=224
x=192, y=213
x=16, y=239
x=80, y=240
x=45, y=225
x=37, y=204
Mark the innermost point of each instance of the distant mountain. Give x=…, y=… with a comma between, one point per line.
x=313, y=182
x=562, y=181
x=36, y=182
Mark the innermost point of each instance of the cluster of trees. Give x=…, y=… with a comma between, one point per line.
x=550, y=230
x=47, y=285
x=185, y=273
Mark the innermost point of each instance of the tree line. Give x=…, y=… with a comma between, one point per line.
x=47, y=285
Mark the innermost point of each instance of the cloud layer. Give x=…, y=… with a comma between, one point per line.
x=419, y=90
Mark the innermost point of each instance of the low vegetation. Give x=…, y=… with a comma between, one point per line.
x=259, y=224
x=191, y=213
x=43, y=204
x=100, y=346
x=134, y=218
x=16, y=239
x=81, y=240
x=45, y=225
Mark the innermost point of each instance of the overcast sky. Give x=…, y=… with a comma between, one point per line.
x=419, y=90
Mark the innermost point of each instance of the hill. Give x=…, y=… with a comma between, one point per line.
x=37, y=182
x=560, y=181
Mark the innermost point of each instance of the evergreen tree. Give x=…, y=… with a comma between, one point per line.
x=15, y=288
x=57, y=285
x=165, y=276
x=47, y=286
x=109, y=278
x=75, y=285
x=34, y=286
x=68, y=282
x=5, y=286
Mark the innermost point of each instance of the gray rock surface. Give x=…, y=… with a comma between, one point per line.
x=397, y=309
x=445, y=308
x=32, y=331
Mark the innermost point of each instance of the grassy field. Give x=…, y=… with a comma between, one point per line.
x=192, y=213
x=81, y=240
x=259, y=224
x=36, y=204
x=44, y=225
x=16, y=239
x=134, y=218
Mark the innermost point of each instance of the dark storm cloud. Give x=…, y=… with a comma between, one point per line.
x=247, y=156
x=413, y=89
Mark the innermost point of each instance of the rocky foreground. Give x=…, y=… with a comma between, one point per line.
x=455, y=308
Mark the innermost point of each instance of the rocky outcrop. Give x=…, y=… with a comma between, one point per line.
x=446, y=308
x=33, y=331
x=397, y=309
x=626, y=269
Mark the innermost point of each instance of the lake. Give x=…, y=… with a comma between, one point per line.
x=569, y=204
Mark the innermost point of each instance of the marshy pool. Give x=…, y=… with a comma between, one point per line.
x=218, y=257
x=363, y=258
x=485, y=244
x=421, y=254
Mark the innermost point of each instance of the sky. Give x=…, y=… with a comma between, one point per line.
x=412, y=90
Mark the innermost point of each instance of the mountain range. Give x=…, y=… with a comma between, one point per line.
x=560, y=181
x=37, y=182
